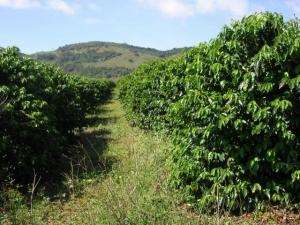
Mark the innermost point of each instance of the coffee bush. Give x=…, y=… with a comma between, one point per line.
x=41, y=107
x=232, y=107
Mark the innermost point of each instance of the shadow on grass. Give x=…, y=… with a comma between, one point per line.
x=87, y=160
x=95, y=120
x=91, y=151
x=98, y=118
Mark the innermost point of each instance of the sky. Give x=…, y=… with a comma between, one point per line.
x=43, y=25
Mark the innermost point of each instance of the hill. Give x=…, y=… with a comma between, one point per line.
x=102, y=58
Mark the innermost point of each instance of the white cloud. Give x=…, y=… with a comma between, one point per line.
x=20, y=4
x=171, y=8
x=62, y=6
x=294, y=5
x=235, y=7
x=57, y=5
x=186, y=8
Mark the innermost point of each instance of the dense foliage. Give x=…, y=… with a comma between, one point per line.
x=233, y=108
x=40, y=109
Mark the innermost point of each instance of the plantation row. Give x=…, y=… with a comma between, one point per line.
x=232, y=107
x=41, y=108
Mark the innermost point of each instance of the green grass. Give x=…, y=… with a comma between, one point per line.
x=121, y=178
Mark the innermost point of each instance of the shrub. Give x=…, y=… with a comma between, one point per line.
x=232, y=108
x=41, y=108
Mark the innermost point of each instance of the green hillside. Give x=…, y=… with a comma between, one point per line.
x=102, y=58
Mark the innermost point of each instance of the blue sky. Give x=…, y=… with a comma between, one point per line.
x=40, y=25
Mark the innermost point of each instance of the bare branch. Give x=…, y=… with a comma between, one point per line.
x=35, y=183
x=3, y=101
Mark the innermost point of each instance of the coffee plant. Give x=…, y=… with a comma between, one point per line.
x=41, y=108
x=232, y=107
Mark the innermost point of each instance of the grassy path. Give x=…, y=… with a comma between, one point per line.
x=130, y=187
x=124, y=182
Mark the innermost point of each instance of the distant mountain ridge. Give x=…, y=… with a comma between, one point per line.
x=107, y=59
